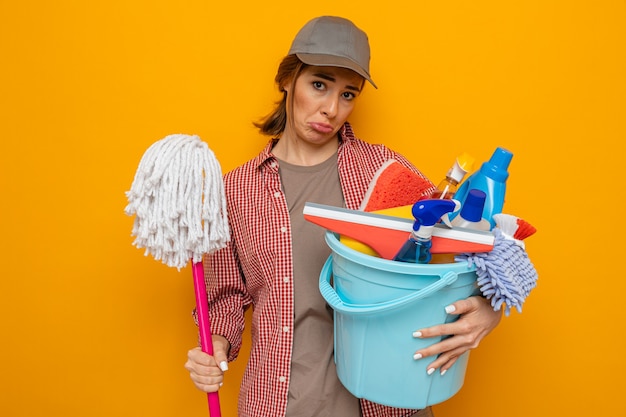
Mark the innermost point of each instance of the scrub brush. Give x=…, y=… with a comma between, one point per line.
x=513, y=227
x=505, y=274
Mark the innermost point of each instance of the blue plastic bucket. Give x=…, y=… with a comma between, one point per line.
x=378, y=304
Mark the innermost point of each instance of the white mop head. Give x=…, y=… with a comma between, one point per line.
x=178, y=199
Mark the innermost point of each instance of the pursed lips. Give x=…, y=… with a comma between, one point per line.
x=321, y=127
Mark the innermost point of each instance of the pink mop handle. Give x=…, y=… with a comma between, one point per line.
x=204, y=325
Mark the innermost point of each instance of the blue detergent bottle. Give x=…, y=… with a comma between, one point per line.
x=490, y=179
x=427, y=213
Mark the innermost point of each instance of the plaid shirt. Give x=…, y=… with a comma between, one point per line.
x=256, y=269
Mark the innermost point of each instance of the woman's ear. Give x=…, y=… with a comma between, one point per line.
x=288, y=84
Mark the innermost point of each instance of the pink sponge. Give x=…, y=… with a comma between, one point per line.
x=394, y=185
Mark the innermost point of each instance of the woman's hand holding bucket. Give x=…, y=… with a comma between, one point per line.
x=477, y=319
x=206, y=371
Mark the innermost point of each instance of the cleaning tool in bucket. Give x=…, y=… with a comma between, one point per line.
x=471, y=213
x=394, y=185
x=178, y=198
x=386, y=234
x=491, y=179
x=448, y=186
x=505, y=275
x=378, y=304
x=427, y=213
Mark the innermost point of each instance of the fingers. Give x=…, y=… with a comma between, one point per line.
x=204, y=371
x=197, y=356
x=221, y=360
x=220, y=351
x=448, y=347
x=476, y=320
x=464, y=306
x=446, y=352
x=445, y=361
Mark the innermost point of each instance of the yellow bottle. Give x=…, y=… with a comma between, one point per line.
x=447, y=187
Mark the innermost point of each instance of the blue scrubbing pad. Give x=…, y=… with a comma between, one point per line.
x=505, y=274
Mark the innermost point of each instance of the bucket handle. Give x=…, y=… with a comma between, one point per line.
x=333, y=299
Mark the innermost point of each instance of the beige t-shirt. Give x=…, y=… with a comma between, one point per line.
x=314, y=388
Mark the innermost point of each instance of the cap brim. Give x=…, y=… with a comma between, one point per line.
x=322, y=60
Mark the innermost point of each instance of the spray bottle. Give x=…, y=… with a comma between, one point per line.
x=447, y=187
x=490, y=179
x=427, y=213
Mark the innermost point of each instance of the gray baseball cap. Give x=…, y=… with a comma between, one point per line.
x=333, y=42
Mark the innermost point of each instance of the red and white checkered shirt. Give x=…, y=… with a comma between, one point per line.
x=256, y=269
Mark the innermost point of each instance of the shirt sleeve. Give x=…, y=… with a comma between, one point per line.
x=227, y=297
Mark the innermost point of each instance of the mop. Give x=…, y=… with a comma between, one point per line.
x=178, y=198
x=505, y=274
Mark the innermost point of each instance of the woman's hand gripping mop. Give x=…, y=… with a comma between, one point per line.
x=178, y=199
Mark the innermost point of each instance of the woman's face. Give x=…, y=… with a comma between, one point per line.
x=323, y=99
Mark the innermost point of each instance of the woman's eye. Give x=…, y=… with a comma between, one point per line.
x=349, y=96
x=318, y=85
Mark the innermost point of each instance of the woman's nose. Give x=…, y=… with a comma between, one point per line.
x=329, y=107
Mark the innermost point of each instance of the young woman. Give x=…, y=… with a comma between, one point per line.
x=274, y=258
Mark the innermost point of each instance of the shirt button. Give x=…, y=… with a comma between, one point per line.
x=282, y=379
x=285, y=329
x=283, y=229
x=286, y=279
x=277, y=194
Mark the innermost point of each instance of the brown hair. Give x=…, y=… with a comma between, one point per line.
x=288, y=72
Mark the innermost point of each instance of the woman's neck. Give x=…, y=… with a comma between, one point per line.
x=303, y=153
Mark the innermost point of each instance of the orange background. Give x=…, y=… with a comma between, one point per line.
x=91, y=327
